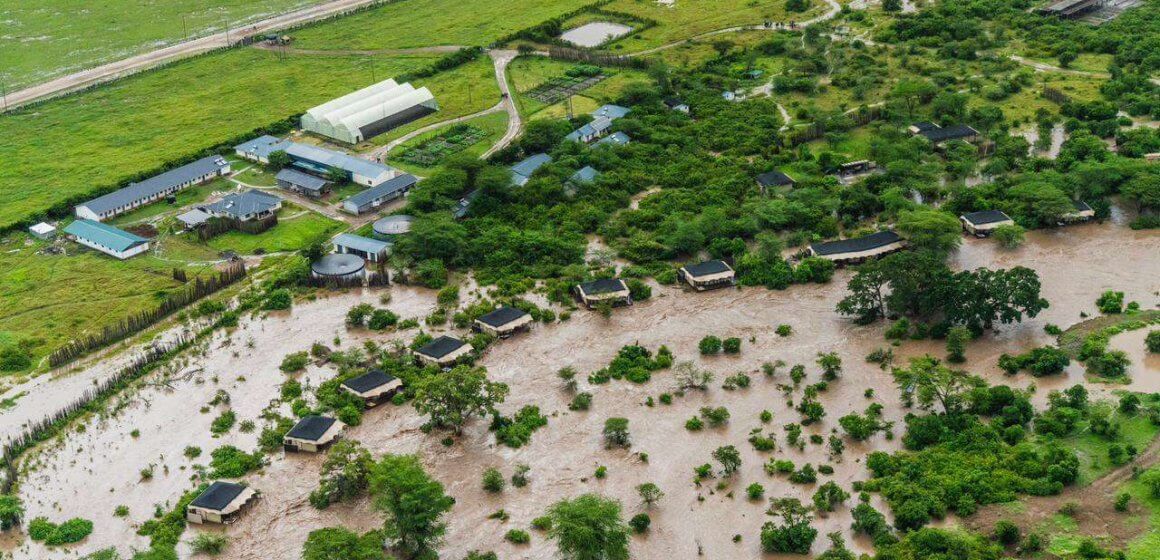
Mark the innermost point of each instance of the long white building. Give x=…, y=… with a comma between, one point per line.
x=370, y=111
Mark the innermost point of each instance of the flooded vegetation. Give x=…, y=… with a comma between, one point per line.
x=102, y=464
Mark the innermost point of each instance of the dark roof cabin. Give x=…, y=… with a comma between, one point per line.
x=775, y=178
x=222, y=502
x=858, y=249
x=503, y=322
x=613, y=290
x=443, y=351
x=312, y=434
x=940, y=134
x=1082, y=212
x=982, y=223
x=707, y=275
x=373, y=386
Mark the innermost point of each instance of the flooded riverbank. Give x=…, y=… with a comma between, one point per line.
x=96, y=470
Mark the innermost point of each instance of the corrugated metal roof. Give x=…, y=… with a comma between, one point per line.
x=156, y=184
x=856, y=245
x=523, y=170
x=300, y=179
x=331, y=158
x=104, y=235
x=613, y=112
x=262, y=146
x=616, y=139
x=404, y=181
x=586, y=174
x=244, y=203
x=360, y=243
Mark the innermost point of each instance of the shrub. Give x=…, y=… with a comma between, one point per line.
x=616, y=432
x=1122, y=501
x=1152, y=341
x=957, y=339
x=582, y=401
x=71, y=531
x=1111, y=302
x=517, y=536
x=783, y=330
x=358, y=314
x=715, y=416
x=277, y=300
x=709, y=345
x=121, y=511
x=382, y=319
x=1009, y=236
x=542, y=523
x=640, y=522
x=209, y=543
x=294, y=362
x=638, y=290
x=804, y=475
x=601, y=472
x=694, y=424
x=1006, y=532
x=520, y=476
x=230, y=462
x=223, y=423
x=755, y=491
x=493, y=481
x=650, y=493
x=517, y=431
x=192, y=452
x=731, y=345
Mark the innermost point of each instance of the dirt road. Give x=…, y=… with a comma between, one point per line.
x=119, y=68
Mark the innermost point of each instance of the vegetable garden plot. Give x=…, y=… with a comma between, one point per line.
x=434, y=149
x=558, y=88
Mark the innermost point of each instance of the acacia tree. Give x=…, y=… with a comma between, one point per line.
x=867, y=299
x=931, y=230
x=345, y=474
x=729, y=458
x=412, y=502
x=933, y=383
x=831, y=365
x=650, y=493
x=794, y=534
x=982, y=297
x=911, y=93
x=453, y=397
x=589, y=527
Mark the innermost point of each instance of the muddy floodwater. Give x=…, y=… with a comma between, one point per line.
x=94, y=471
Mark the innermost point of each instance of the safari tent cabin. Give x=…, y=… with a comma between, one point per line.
x=706, y=275
x=856, y=167
x=774, y=179
x=503, y=322
x=222, y=502
x=606, y=289
x=675, y=104
x=859, y=249
x=373, y=387
x=1082, y=213
x=938, y=135
x=443, y=351
x=312, y=434
x=981, y=224
x=1069, y=8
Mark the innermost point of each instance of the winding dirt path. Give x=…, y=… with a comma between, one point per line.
x=124, y=67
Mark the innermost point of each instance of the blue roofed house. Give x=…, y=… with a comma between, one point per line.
x=602, y=119
x=369, y=249
x=586, y=174
x=107, y=239
x=260, y=148
x=614, y=139
x=523, y=170
x=314, y=159
x=380, y=194
x=152, y=189
x=245, y=206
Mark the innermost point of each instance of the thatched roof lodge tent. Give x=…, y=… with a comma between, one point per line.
x=312, y=434
x=443, y=351
x=1082, y=213
x=707, y=275
x=852, y=251
x=503, y=322
x=222, y=502
x=606, y=289
x=982, y=223
x=373, y=387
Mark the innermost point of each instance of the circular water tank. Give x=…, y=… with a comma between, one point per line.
x=338, y=265
x=393, y=225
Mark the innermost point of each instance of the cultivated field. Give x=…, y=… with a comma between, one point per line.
x=47, y=38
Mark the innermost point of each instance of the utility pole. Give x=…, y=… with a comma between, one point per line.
x=227, y=22
x=4, y=98
x=184, y=29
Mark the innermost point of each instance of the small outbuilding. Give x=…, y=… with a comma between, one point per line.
x=312, y=434
x=858, y=249
x=42, y=231
x=372, y=250
x=707, y=275
x=774, y=179
x=983, y=223
x=194, y=218
x=443, y=351
x=856, y=167
x=338, y=266
x=675, y=104
x=304, y=184
x=223, y=502
x=503, y=322
x=939, y=135
x=614, y=139
x=391, y=226
x=1082, y=212
x=374, y=386
x=613, y=290
x=522, y=171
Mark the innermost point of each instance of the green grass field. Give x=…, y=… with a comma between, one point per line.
x=694, y=17
x=48, y=38
x=526, y=73
x=69, y=146
x=1093, y=449
x=422, y=23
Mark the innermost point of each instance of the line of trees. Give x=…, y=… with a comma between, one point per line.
x=144, y=319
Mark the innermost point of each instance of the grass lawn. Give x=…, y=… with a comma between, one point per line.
x=1021, y=107
x=493, y=127
x=1092, y=449
x=690, y=18
x=297, y=228
x=255, y=175
x=53, y=298
x=525, y=73
x=65, y=147
x=1147, y=546
x=421, y=23
x=47, y=38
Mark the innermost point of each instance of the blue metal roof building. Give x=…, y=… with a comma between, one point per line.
x=107, y=239
x=378, y=195
x=152, y=189
x=523, y=170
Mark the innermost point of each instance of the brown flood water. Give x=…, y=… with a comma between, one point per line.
x=93, y=472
